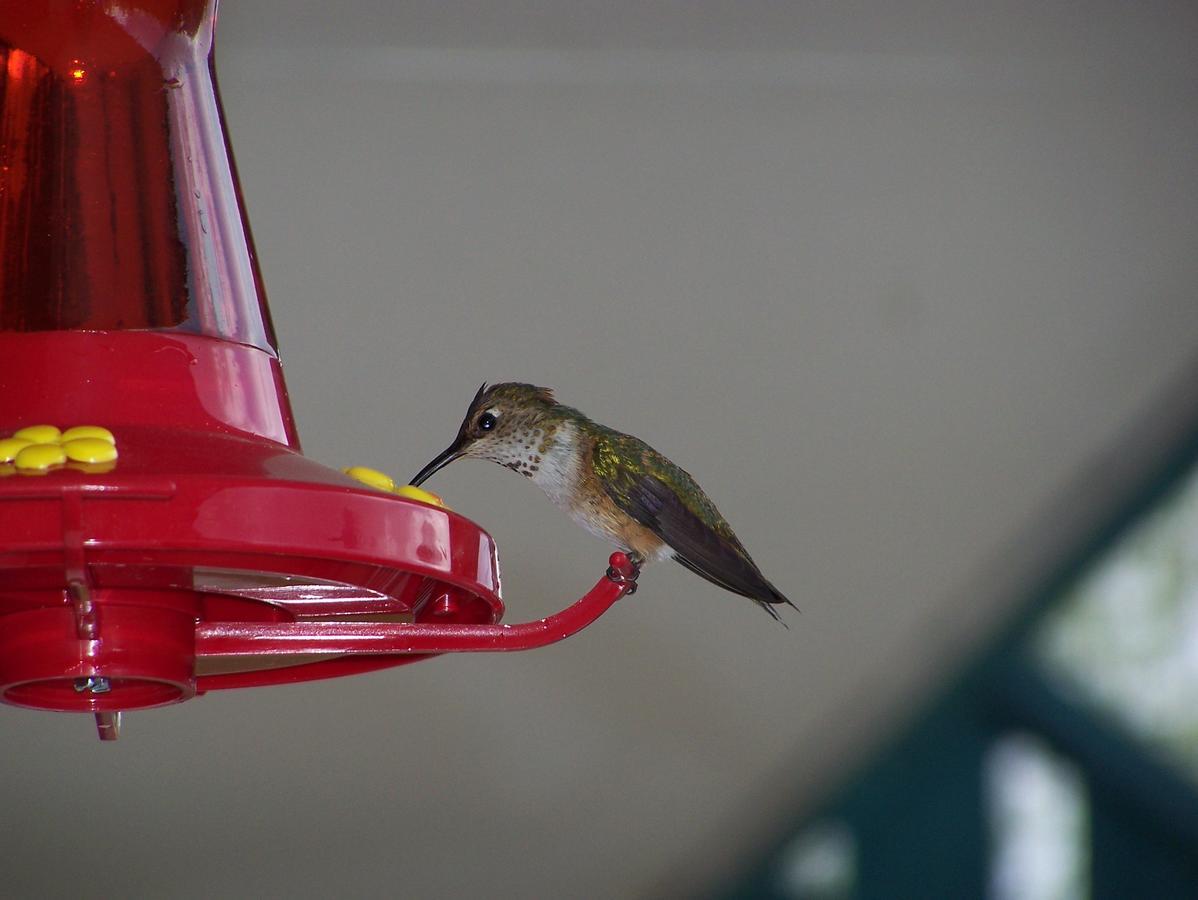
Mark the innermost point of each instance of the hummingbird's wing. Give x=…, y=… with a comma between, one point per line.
x=665, y=499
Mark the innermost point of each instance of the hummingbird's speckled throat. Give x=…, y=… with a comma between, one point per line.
x=612, y=484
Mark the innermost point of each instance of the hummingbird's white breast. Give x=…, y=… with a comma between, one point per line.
x=559, y=469
x=560, y=475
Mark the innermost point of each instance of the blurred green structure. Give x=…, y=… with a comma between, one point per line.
x=1061, y=763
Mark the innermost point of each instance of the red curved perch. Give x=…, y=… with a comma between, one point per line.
x=369, y=646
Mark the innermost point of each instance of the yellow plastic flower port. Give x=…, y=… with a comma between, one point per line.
x=40, y=434
x=89, y=450
x=384, y=482
x=88, y=431
x=414, y=493
x=371, y=477
x=40, y=456
x=10, y=447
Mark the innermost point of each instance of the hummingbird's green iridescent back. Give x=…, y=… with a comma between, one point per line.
x=622, y=461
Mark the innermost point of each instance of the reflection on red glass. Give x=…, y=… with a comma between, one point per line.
x=119, y=204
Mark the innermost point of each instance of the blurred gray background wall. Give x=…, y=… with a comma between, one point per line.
x=884, y=277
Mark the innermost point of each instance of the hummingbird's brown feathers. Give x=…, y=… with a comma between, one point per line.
x=512, y=393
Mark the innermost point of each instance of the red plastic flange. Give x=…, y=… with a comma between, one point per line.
x=130, y=651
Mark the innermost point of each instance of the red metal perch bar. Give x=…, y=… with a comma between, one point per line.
x=370, y=646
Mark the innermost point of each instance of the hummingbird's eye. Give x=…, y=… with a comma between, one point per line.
x=486, y=421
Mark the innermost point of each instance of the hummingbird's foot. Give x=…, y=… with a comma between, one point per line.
x=624, y=568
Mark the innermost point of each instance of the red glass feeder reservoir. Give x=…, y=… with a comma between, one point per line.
x=161, y=534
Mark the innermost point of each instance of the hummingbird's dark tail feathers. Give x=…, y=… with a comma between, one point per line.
x=762, y=592
x=773, y=613
x=704, y=544
x=775, y=598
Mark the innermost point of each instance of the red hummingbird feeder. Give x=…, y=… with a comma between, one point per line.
x=163, y=535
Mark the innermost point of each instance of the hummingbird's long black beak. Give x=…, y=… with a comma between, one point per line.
x=444, y=458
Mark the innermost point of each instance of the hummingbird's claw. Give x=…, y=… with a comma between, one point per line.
x=624, y=568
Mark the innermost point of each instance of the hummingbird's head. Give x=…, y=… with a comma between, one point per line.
x=505, y=424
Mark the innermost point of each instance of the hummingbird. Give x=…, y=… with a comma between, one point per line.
x=614, y=485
